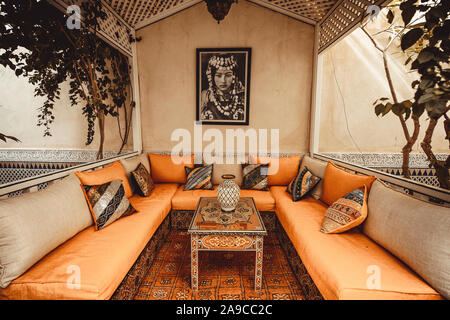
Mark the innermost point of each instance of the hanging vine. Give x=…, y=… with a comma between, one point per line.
x=36, y=43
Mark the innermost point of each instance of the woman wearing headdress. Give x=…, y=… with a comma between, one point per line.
x=224, y=98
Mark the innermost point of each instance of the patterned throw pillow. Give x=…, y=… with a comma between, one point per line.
x=143, y=180
x=302, y=184
x=254, y=176
x=107, y=203
x=346, y=213
x=199, y=178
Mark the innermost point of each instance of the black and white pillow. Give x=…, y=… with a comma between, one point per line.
x=254, y=176
x=302, y=184
x=199, y=178
x=143, y=180
x=107, y=203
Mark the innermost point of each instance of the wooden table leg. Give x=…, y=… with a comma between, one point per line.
x=258, y=263
x=194, y=262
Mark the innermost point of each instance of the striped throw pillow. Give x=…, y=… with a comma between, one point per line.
x=254, y=176
x=143, y=180
x=346, y=213
x=302, y=184
x=107, y=203
x=199, y=178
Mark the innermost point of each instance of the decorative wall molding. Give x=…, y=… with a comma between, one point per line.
x=45, y=156
x=18, y=164
x=384, y=160
x=40, y=175
x=392, y=163
x=422, y=184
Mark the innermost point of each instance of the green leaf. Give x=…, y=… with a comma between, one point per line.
x=426, y=98
x=408, y=60
x=436, y=109
x=408, y=13
x=438, y=12
x=407, y=114
x=398, y=109
x=411, y=38
x=380, y=99
x=425, y=56
x=379, y=109
x=387, y=108
x=407, y=104
x=418, y=109
x=431, y=21
x=390, y=16
x=441, y=33
x=426, y=83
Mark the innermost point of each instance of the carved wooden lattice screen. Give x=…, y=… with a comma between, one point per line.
x=341, y=19
x=312, y=9
x=134, y=12
x=112, y=29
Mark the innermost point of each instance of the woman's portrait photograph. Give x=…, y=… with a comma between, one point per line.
x=223, y=86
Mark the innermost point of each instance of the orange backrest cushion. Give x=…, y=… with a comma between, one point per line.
x=287, y=169
x=338, y=182
x=107, y=174
x=164, y=169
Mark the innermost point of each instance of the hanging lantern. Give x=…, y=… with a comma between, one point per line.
x=219, y=8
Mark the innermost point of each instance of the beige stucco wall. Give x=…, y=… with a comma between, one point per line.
x=355, y=68
x=281, y=71
x=18, y=118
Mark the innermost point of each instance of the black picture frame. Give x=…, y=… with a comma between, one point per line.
x=231, y=105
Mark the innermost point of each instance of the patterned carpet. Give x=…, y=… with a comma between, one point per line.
x=223, y=275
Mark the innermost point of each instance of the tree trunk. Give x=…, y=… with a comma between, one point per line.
x=441, y=167
x=410, y=140
x=409, y=145
x=101, y=125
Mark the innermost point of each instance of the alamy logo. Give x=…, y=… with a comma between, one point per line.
x=74, y=279
x=374, y=280
x=74, y=20
x=229, y=148
x=373, y=11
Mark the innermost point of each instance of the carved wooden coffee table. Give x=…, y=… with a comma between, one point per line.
x=212, y=229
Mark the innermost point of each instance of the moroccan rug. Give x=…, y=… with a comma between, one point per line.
x=222, y=275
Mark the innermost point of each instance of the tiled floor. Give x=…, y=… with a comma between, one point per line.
x=223, y=275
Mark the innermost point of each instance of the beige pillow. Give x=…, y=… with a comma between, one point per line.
x=220, y=169
x=131, y=164
x=415, y=231
x=33, y=224
x=317, y=168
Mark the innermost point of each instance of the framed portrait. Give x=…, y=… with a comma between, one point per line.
x=223, y=86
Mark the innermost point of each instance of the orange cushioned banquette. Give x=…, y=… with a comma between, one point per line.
x=287, y=169
x=188, y=200
x=107, y=174
x=103, y=257
x=337, y=183
x=164, y=170
x=340, y=264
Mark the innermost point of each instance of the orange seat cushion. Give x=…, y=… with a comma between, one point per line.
x=103, y=258
x=165, y=170
x=340, y=264
x=188, y=200
x=338, y=182
x=107, y=174
x=283, y=173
